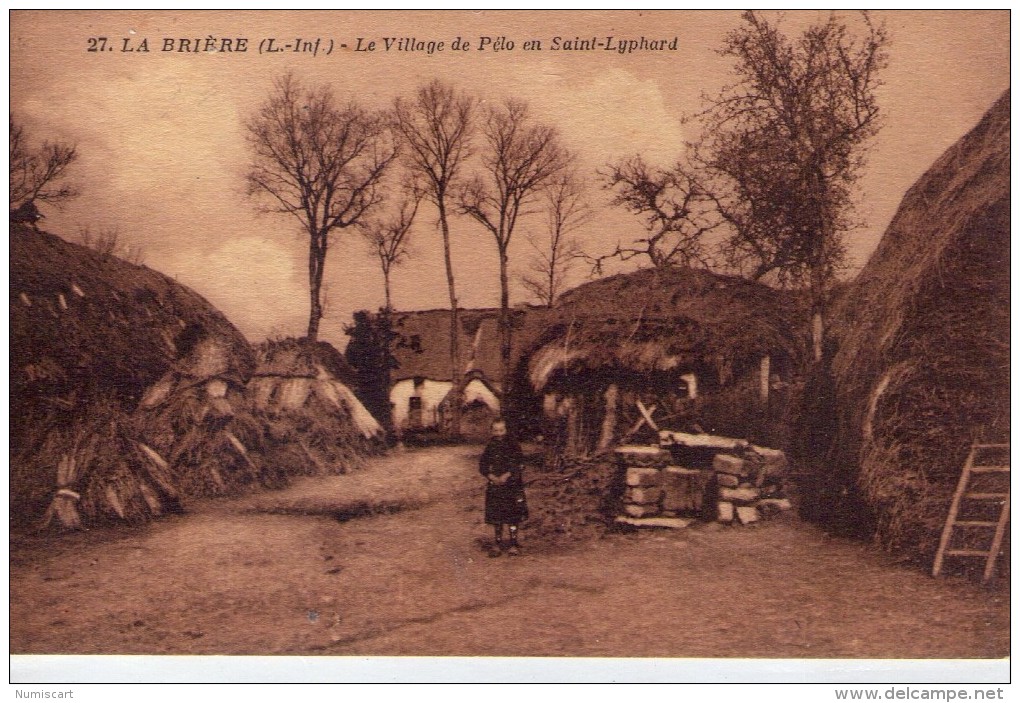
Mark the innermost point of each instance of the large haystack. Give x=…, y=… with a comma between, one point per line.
x=922, y=368
x=90, y=336
x=664, y=335
x=130, y=394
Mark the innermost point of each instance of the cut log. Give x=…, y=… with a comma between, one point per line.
x=774, y=461
x=114, y=501
x=683, y=489
x=641, y=510
x=640, y=455
x=747, y=514
x=726, y=464
x=667, y=522
x=739, y=495
x=643, y=495
x=150, y=497
x=643, y=476
x=724, y=511
x=769, y=506
x=728, y=480
x=670, y=437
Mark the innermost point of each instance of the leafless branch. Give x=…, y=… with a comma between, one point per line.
x=38, y=174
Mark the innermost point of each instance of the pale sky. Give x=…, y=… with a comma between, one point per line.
x=163, y=153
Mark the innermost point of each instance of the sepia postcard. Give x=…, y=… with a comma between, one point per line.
x=618, y=345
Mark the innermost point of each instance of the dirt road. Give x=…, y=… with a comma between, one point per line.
x=388, y=560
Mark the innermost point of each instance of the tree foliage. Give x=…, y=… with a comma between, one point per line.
x=437, y=125
x=519, y=159
x=39, y=173
x=388, y=236
x=370, y=354
x=320, y=160
x=556, y=251
x=676, y=211
x=785, y=144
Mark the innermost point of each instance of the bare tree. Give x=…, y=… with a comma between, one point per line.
x=388, y=237
x=38, y=174
x=556, y=251
x=436, y=125
x=320, y=161
x=791, y=136
x=676, y=211
x=520, y=159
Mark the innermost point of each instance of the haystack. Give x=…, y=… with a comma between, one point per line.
x=922, y=368
x=90, y=335
x=314, y=422
x=130, y=395
x=665, y=337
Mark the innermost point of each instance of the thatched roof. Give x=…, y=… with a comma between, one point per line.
x=423, y=345
x=923, y=362
x=666, y=320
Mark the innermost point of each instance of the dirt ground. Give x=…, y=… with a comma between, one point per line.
x=390, y=560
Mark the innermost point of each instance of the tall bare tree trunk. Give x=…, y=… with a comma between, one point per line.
x=456, y=373
x=505, y=331
x=316, y=265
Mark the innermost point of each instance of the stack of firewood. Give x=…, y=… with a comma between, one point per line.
x=745, y=481
x=750, y=486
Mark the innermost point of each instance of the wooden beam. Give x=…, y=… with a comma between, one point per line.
x=646, y=413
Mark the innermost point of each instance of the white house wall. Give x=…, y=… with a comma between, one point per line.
x=432, y=394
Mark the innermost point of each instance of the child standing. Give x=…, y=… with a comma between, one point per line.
x=505, y=503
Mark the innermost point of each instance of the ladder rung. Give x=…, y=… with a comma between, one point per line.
x=989, y=468
x=986, y=496
x=966, y=553
x=990, y=446
x=976, y=523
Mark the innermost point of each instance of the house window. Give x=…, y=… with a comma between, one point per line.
x=414, y=402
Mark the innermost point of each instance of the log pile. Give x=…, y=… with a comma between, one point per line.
x=740, y=483
x=749, y=486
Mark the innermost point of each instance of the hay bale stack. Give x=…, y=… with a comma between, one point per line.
x=922, y=368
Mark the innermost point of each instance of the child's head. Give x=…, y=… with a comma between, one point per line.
x=499, y=428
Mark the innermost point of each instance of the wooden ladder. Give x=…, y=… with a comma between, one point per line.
x=970, y=468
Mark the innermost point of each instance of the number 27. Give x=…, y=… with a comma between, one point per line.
x=97, y=44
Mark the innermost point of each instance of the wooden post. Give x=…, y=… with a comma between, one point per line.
x=692, y=384
x=609, y=420
x=765, y=371
x=572, y=425
x=549, y=405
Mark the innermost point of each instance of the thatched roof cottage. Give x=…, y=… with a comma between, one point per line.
x=421, y=381
x=659, y=337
